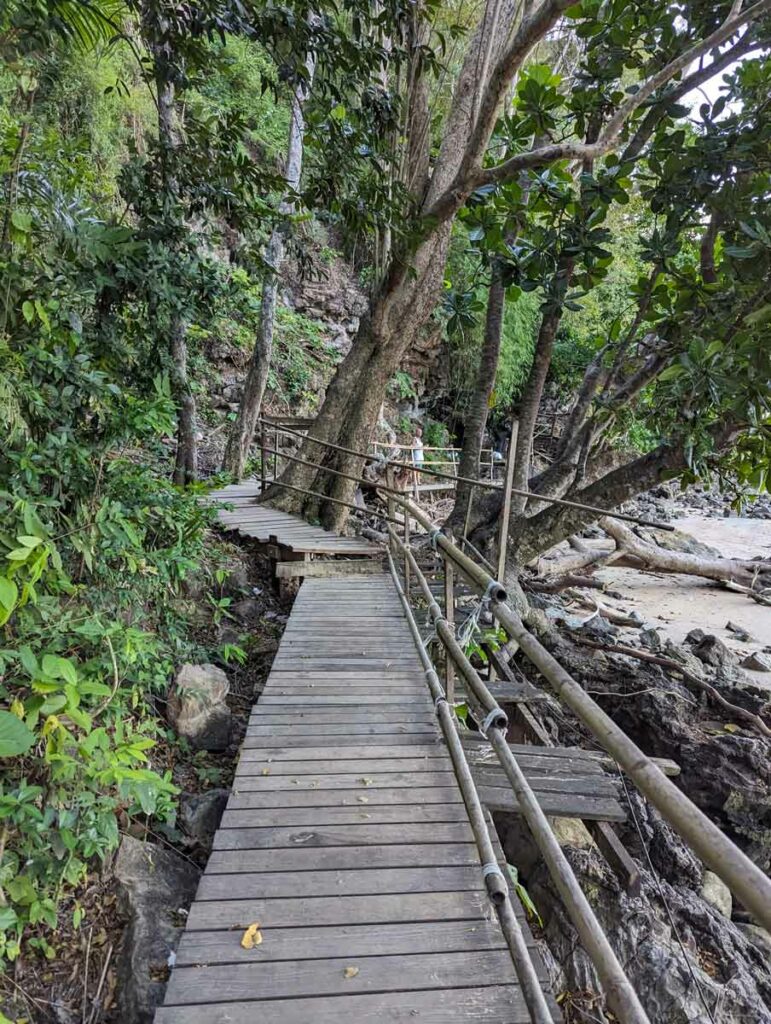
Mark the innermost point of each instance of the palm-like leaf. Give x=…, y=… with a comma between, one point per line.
x=88, y=23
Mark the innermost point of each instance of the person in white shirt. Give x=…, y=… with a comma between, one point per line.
x=417, y=453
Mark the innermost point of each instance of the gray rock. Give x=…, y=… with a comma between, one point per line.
x=739, y=632
x=248, y=609
x=650, y=638
x=758, y=937
x=155, y=884
x=695, y=636
x=757, y=662
x=197, y=707
x=200, y=813
x=716, y=892
x=714, y=652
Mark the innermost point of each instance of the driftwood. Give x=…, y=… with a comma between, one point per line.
x=745, y=572
x=690, y=678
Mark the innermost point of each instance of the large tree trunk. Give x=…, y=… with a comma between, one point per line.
x=350, y=410
x=476, y=417
x=242, y=433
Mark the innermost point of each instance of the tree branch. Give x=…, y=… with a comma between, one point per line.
x=610, y=136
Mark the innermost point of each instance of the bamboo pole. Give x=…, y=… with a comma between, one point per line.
x=449, y=614
x=495, y=884
x=740, y=874
x=618, y=989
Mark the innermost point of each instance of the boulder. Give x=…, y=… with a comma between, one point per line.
x=757, y=662
x=155, y=885
x=197, y=707
x=715, y=892
x=200, y=813
x=714, y=652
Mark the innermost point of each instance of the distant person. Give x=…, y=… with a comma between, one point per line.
x=418, y=457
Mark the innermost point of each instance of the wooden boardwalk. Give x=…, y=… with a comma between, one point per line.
x=271, y=526
x=347, y=841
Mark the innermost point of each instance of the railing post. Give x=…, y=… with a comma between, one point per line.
x=406, y=558
x=263, y=473
x=391, y=505
x=449, y=614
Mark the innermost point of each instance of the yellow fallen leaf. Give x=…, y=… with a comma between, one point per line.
x=350, y=972
x=363, y=799
x=365, y=781
x=730, y=727
x=266, y=771
x=252, y=936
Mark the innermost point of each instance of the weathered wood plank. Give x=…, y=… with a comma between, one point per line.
x=340, y=835
x=342, y=858
x=353, y=797
x=222, y=947
x=256, y=733
x=282, y=980
x=321, y=817
x=289, y=570
x=293, y=781
x=500, y=1004
x=267, y=742
x=357, y=882
x=335, y=910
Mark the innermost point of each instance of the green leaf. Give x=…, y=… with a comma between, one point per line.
x=8, y=919
x=338, y=113
x=15, y=737
x=29, y=542
x=9, y=593
x=28, y=311
x=59, y=668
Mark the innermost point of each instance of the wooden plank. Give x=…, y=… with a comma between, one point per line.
x=275, y=782
x=562, y=805
x=320, y=717
x=353, y=797
x=267, y=742
x=282, y=980
x=341, y=835
x=355, y=700
x=361, y=881
x=321, y=817
x=320, y=911
x=476, y=1005
x=341, y=858
x=370, y=751
x=288, y=570
x=222, y=947
x=255, y=734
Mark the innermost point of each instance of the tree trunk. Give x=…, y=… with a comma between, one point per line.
x=186, y=462
x=350, y=410
x=242, y=433
x=531, y=399
x=476, y=417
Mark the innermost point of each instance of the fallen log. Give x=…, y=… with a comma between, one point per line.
x=745, y=572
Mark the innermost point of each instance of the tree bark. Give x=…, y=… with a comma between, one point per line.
x=242, y=432
x=186, y=461
x=476, y=417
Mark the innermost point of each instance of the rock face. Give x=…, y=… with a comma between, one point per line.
x=155, y=884
x=716, y=892
x=200, y=813
x=197, y=707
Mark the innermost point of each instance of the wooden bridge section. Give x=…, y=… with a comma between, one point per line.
x=347, y=842
x=271, y=526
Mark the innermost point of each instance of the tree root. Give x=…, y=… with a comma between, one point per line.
x=692, y=680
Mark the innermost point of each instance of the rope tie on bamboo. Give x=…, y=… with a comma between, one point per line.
x=441, y=699
x=491, y=868
x=432, y=537
x=495, y=717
